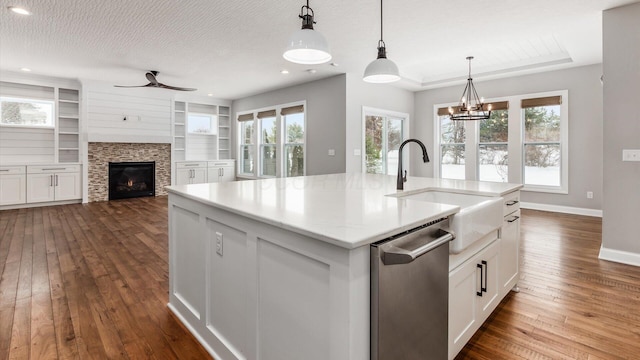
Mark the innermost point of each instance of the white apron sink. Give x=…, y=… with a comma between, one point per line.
x=478, y=216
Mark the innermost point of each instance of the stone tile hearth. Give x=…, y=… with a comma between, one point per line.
x=100, y=154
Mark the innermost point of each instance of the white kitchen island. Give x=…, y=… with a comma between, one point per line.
x=279, y=268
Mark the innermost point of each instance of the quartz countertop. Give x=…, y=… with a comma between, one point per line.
x=348, y=210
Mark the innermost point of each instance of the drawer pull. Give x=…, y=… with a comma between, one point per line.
x=4, y=170
x=49, y=169
x=512, y=202
x=513, y=219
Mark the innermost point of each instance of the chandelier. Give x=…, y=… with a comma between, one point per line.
x=471, y=106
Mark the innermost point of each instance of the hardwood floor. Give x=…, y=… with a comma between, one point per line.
x=91, y=281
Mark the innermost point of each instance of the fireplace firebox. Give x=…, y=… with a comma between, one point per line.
x=131, y=179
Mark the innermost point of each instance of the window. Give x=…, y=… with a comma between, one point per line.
x=202, y=123
x=452, y=147
x=294, y=143
x=383, y=135
x=281, y=130
x=542, y=141
x=26, y=112
x=247, y=147
x=524, y=141
x=493, y=145
x=268, y=143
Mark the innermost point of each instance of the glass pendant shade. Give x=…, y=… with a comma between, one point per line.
x=307, y=46
x=381, y=70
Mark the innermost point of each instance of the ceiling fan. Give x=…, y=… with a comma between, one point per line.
x=153, y=82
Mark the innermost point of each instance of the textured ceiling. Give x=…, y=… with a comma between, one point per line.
x=234, y=48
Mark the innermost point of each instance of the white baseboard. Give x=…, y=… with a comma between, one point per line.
x=562, y=209
x=619, y=256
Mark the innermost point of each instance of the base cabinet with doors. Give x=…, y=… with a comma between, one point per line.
x=13, y=185
x=221, y=171
x=53, y=183
x=198, y=172
x=482, y=275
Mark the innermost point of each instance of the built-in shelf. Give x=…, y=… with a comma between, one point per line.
x=68, y=141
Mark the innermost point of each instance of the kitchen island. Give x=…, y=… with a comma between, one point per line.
x=279, y=268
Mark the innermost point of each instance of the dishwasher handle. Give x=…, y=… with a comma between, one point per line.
x=396, y=255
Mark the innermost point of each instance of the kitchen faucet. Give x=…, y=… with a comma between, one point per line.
x=402, y=178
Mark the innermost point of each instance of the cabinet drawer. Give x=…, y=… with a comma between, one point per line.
x=4, y=170
x=511, y=203
x=191, y=164
x=50, y=169
x=220, y=163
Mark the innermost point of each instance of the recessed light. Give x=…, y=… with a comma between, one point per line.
x=284, y=71
x=25, y=69
x=209, y=94
x=19, y=10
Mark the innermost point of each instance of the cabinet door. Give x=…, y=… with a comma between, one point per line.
x=489, y=282
x=183, y=176
x=40, y=188
x=227, y=174
x=67, y=186
x=509, y=252
x=13, y=189
x=213, y=174
x=199, y=176
x=462, y=305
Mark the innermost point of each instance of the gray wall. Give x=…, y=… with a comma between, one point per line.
x=621, y=64
x=326, y=100
x=585, y=126
x=381, y=96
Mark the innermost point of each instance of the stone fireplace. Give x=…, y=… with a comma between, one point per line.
x=101, y=154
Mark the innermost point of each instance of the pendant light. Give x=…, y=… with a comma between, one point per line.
x=471, y=106
x=381, y=70
x=307, y=46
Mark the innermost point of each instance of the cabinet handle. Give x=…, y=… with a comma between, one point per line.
x=512, y=202
x=49, y=169
x=50, y=180
x=486, y=274
x=483, y=277
x=513, y=219
x=479, y=293
x=56, y=180
x=3, y=170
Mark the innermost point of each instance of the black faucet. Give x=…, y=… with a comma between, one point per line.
x=402, y=178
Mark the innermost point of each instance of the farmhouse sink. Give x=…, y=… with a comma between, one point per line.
x=478, y=216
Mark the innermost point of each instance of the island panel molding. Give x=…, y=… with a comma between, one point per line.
x=100, y=154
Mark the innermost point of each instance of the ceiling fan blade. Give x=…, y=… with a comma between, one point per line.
x=175, y=87
x=151, y=76
x=130, y=86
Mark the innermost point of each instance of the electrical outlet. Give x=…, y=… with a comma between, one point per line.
x=589, y=194
x=356, y=152
x=630, y=155
x=332, y=152
x=219, y=243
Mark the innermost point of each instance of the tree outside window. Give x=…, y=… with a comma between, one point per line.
x=383, y=137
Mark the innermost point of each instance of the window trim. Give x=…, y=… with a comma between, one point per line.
x=515, y=148
x=213, y=123
x=372, y=111
x=280, y=140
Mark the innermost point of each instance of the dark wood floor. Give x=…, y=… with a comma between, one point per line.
x=91, y=281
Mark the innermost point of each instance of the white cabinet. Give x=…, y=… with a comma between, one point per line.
x=221, y=171
x=13, y=184
x=53, y=183
x=485, y=274
x=510, y=243
x=68, y=125
x=473, y=295
x=191, y=172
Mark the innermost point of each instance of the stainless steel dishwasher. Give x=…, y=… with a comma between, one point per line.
x=410, y=294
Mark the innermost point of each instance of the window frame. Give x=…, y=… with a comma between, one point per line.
x=54, y=112
x=286, y=144
x=515, y=145
x=213, y=123
x=279, y=145
x=404, y=117
x=241, y=146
